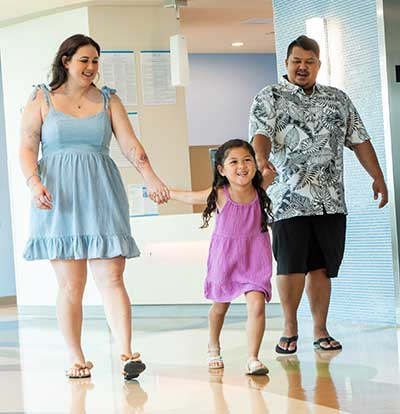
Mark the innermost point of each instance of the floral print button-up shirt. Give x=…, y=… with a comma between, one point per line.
x=308, y=134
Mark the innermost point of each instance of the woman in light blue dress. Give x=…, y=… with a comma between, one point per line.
x=80, y=210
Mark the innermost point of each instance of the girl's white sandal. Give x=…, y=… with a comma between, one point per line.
x=256, y=367
x=216, y=361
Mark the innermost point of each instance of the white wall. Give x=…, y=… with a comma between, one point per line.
x=7, y=273
x=27, y=50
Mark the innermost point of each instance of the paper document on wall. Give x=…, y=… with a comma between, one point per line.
x=115, y=151
x=140, y=203
x=118, y=70
x=156, y=78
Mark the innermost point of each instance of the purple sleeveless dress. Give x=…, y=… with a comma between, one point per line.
x=240, y=257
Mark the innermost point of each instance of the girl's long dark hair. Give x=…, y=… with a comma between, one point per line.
x=68, y=49
x=219, y=181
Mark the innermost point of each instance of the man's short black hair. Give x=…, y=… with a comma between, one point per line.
x=305, y=43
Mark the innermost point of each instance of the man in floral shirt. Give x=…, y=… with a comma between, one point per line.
x=299, y=129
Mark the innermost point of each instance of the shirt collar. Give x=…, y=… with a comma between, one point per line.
x=294, y=88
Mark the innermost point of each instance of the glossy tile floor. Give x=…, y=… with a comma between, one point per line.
x=363, y=378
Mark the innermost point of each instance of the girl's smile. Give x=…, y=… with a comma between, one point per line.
x=239, y=166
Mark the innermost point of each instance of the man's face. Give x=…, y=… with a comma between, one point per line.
x=302, y=67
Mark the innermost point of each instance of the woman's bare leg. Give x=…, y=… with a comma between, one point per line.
x=71, y=278
x=108, y=275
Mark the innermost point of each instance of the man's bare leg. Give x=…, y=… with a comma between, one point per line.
x=318, y=288
x=290, y=288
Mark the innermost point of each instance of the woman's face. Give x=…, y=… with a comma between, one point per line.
x=83, y=66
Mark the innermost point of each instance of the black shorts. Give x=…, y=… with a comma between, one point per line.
x=302, y=244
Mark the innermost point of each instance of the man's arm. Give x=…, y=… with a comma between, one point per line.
x=366, y=155
x=262, y=147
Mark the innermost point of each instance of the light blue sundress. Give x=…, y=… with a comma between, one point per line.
x=90, y=214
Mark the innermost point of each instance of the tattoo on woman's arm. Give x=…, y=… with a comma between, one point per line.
x=138, y=160
x=30, y=139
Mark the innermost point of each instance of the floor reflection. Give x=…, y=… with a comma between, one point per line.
x=134, y=398
x=363, y=378
x=255, y=384
x=324, y=392
x=79, y=388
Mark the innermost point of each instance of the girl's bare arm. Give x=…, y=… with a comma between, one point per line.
x=190, y=197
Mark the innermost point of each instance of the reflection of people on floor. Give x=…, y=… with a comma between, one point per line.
x=324, y=391
x=216, y=381
x=255, y=385
x=79, y=388
x=291, y=365
x=134, y=398
x=257, y=401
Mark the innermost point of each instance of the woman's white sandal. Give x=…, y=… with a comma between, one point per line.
x=216, y=361
x=256, y=367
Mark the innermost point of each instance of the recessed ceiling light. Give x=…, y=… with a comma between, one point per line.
x=237, y=44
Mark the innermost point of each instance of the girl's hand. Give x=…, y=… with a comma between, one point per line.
x=158, y=191
x=41, y=196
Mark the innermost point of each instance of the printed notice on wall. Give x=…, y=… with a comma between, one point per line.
x=117, y=68
x=156, y=78
x=140, y=203
x=115, y=151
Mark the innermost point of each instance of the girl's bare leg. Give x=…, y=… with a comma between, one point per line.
x=216, y=317
x=255, y=322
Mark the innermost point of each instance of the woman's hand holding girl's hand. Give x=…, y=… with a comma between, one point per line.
x=158, y=191
x=40, y=195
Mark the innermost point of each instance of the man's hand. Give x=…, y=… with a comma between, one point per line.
x=379, y=187
x=268, y=177
x=268, y=172
x=366, y=155
x=264, y=164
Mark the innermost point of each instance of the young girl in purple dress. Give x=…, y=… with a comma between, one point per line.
x=240, y=259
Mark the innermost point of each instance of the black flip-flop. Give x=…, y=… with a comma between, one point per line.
x=328, y=339
x=132, y=369
x=287, y=340
x=78, y=376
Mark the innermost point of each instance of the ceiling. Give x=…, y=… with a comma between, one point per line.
x=210, y=26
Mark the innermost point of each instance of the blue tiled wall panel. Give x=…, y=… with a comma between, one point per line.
x=365, y=288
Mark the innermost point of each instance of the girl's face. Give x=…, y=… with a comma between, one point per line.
x=83, y=66
x=239, y=167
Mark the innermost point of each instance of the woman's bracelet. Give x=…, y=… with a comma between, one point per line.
x=28, y=179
